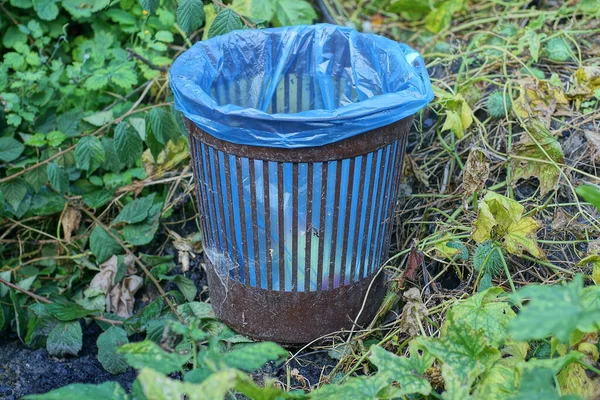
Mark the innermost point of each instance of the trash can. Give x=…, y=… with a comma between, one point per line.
x=297, y=139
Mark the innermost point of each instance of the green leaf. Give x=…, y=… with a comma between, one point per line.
x=104, y=246
x=190, y=15
x=150, y=5
x=65, y=339
x=442, y=14
x=66, y=311
x=98, y=198
x=37, y=177
x=14, y=192
x=103, y=391
x=100, y=118
x=143, y=232
x=39, y=325
x=84, y=8
x=10, y=149
x=46, y=9
x=487, y=259
x=537, y=384
x=485, y=312
x=124, y=75
x=55, y=138
x=18, y=303
x=148, y=354
x=591, y=194
x=162, y=125
x=408, y=373
x=97, y=81
x=225, y=21
x=128, y=143
x=59, y=178
x=359, y=388
x=136, y=211
x=159, y=387
x=186, y=286
x=253, y=356
x=89, y=153
x=68, y=122
x=293, y=12
x=107, y=343
x=112, y=162
x=555, y=311
x=465, y=350
x=261, y=9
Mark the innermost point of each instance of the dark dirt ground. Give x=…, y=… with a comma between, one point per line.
x=26, y=371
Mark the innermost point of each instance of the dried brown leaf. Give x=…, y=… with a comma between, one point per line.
x=413, y=167
x=414, y=311
x=538, y=100
x=593, y=139
x=119, y=296
x=475, y=173
x=70, y=222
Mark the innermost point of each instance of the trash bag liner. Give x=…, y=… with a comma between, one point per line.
x=298, y=86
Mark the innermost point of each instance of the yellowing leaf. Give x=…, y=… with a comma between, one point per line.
x=585, y=81
x=541, y=146
x=521, y=235
x=443, y=250
x=502, y=218
x=538, y=100
x=593, y=259
x=459, y=115
x=167, y=159
x=574, y=380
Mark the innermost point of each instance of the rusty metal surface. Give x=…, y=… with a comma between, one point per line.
x=299, y=313
x=293, y=318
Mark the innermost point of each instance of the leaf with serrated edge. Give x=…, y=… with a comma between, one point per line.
x=107, y=343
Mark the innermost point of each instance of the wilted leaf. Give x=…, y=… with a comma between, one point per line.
x=171, y=155
x=459, y=115
x=593, y=139
x=585, y=82
x=574, y=380
x=538, y=100
x=475, y=173
x=540, y=146
x=594, y=260
x=555, y=311
x=70, y=222
x=501, y=218
x=119, y=293
x=413, y=311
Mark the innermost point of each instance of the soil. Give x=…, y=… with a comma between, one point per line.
x=26, y=371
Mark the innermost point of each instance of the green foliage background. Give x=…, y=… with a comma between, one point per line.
x=92, y=155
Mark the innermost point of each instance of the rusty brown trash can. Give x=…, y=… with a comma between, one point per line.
x=294, y=236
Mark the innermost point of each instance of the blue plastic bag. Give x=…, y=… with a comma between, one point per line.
x=298, y=86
